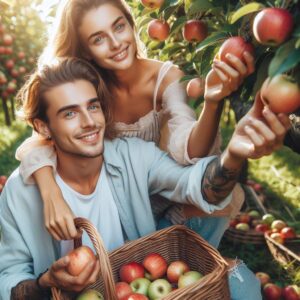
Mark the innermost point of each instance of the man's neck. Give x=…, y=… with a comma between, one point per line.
x=80, y=173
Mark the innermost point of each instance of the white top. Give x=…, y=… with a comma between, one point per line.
x=98, y=207
x=169, y=128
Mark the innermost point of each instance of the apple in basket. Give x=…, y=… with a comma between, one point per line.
x=155, y=266
x=131, y=271
x=140, y=285
x=90, y=295
x=79, y=259
x=136, y=296
x=272, y=291
x=159, y=288
x=264, y=278
x=189, y=278
x=291, y=292
x=288, y=233
x=176, y=269
x=123, y=289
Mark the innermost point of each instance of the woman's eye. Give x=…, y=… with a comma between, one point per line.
x=98, y=40
x=120, y=26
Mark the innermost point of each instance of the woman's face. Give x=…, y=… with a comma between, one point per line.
x=108, y=37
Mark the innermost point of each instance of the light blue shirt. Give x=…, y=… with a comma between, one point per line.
x=135, y=169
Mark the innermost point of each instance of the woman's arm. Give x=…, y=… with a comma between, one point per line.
x=38, y=160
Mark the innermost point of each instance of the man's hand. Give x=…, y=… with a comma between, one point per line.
x=224, y=79
x=57, y=276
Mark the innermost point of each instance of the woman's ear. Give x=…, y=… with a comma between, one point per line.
x=42, y=128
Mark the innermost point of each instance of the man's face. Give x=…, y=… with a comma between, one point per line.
x=76, y=121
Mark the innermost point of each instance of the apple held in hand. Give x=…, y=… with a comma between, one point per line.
x=152, y=4
x=159, y=288
x=90, y=295
x=236, y=46
x=194, y=31
x=189, y=278
x=272, y=26
x=79, y=259
x=158, y=30
x=272, y=291
x=176, y=269
x=123, y=289
x=195, y=88
x=281, y=93
x=131, y=271
x=264, y=278
x=140, y=285
x=155, y=265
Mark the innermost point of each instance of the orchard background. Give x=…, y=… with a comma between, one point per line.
x=23, y=27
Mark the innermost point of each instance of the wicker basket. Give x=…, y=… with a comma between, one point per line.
x=174, y=243
x=288, y=254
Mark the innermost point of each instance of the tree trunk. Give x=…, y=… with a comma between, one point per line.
x=12, y=108
x=6, y=112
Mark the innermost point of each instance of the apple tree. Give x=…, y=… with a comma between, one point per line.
x=191, y=32
x=21, y=40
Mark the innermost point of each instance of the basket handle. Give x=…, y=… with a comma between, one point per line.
x=105, y=267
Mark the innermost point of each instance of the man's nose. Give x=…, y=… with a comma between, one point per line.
x=87, y=120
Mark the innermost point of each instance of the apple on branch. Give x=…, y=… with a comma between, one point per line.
x=158, y=30
x=194, y=31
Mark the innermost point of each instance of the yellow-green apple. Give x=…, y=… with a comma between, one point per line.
x=79, y=259
x=176, y=269
x=194, y=31
x=254, y=214
x=278, y=224
x=155, y=266
x=158, y=30
x=242, y=226
x=189, y=278
x=159, y=288
x=264, y=278
x=131, y=271
x=140, y=285
x=90, y=295
x=268, y=219
x=272, y=26
x=281, y=93
x=276, y=236
x=123, y=289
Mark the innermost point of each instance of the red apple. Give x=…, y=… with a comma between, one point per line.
x=9, y=50
x=159, y=288
x=290, y=293
x=136, y=296
x=22, y=70
x=262, y=227
x=3, y=179
x=278, y=224
x=272, y=291
x=288, y=233
x=281, y=93
x=264, y=278
x=21, y=55
x=276, y=236
x=189, y=278
x=272, y=26
x=131, y=271
x=9, y=64
x=7, y=39
x=244, y=218
x=158, y=30
x=233, y=223
x=2, y=50
x=236, y=46
x=79, y=259
x=176, y=269
x=155, y=265
x=257, y=187
x=194, y=31
x=153, y=4
x=195, y=88
x=123, y=289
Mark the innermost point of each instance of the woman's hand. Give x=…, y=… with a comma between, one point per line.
x=223, y=78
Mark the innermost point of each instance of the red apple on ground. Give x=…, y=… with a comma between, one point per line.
x=236, y=46
x=272, y=26
x=123, y=289
x=288, y=233
x=242, y=226
x=278, y=224
x=194, y=31
x=272, y=291
x=189, y=278
x=152, y=3
x=158, y=30
x=155, y=265
x=264, y=278
x=90, y=295
x=140, y=285
x=195, y=88
x=159, y=288
x=79, y=259
x=131, y=271
x=176, y=269
x=290, y=293
x=276, y=236
x=281, y=93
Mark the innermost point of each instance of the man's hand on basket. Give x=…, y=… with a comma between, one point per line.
x=57, y=276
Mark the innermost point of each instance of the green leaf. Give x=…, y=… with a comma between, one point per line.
x=245, y=10
x=168, y=3
x=178, y=24
x=296, y=32
x=212, y=39
x=199, y=6
x=187, y=77
x=281, y=56
x=297, y=45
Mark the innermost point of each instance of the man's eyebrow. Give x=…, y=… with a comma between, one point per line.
x=73, y=106
x=98, y=32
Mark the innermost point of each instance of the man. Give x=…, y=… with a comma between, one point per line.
x=106, y=181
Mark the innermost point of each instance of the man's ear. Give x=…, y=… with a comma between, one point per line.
x=42, y=128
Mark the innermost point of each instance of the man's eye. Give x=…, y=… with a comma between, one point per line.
x=69, y=114
x=94, y=107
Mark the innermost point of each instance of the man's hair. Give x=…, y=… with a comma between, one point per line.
x=61, y=71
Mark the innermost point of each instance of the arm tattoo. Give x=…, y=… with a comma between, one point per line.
x=28, y=290
x=218, y=182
